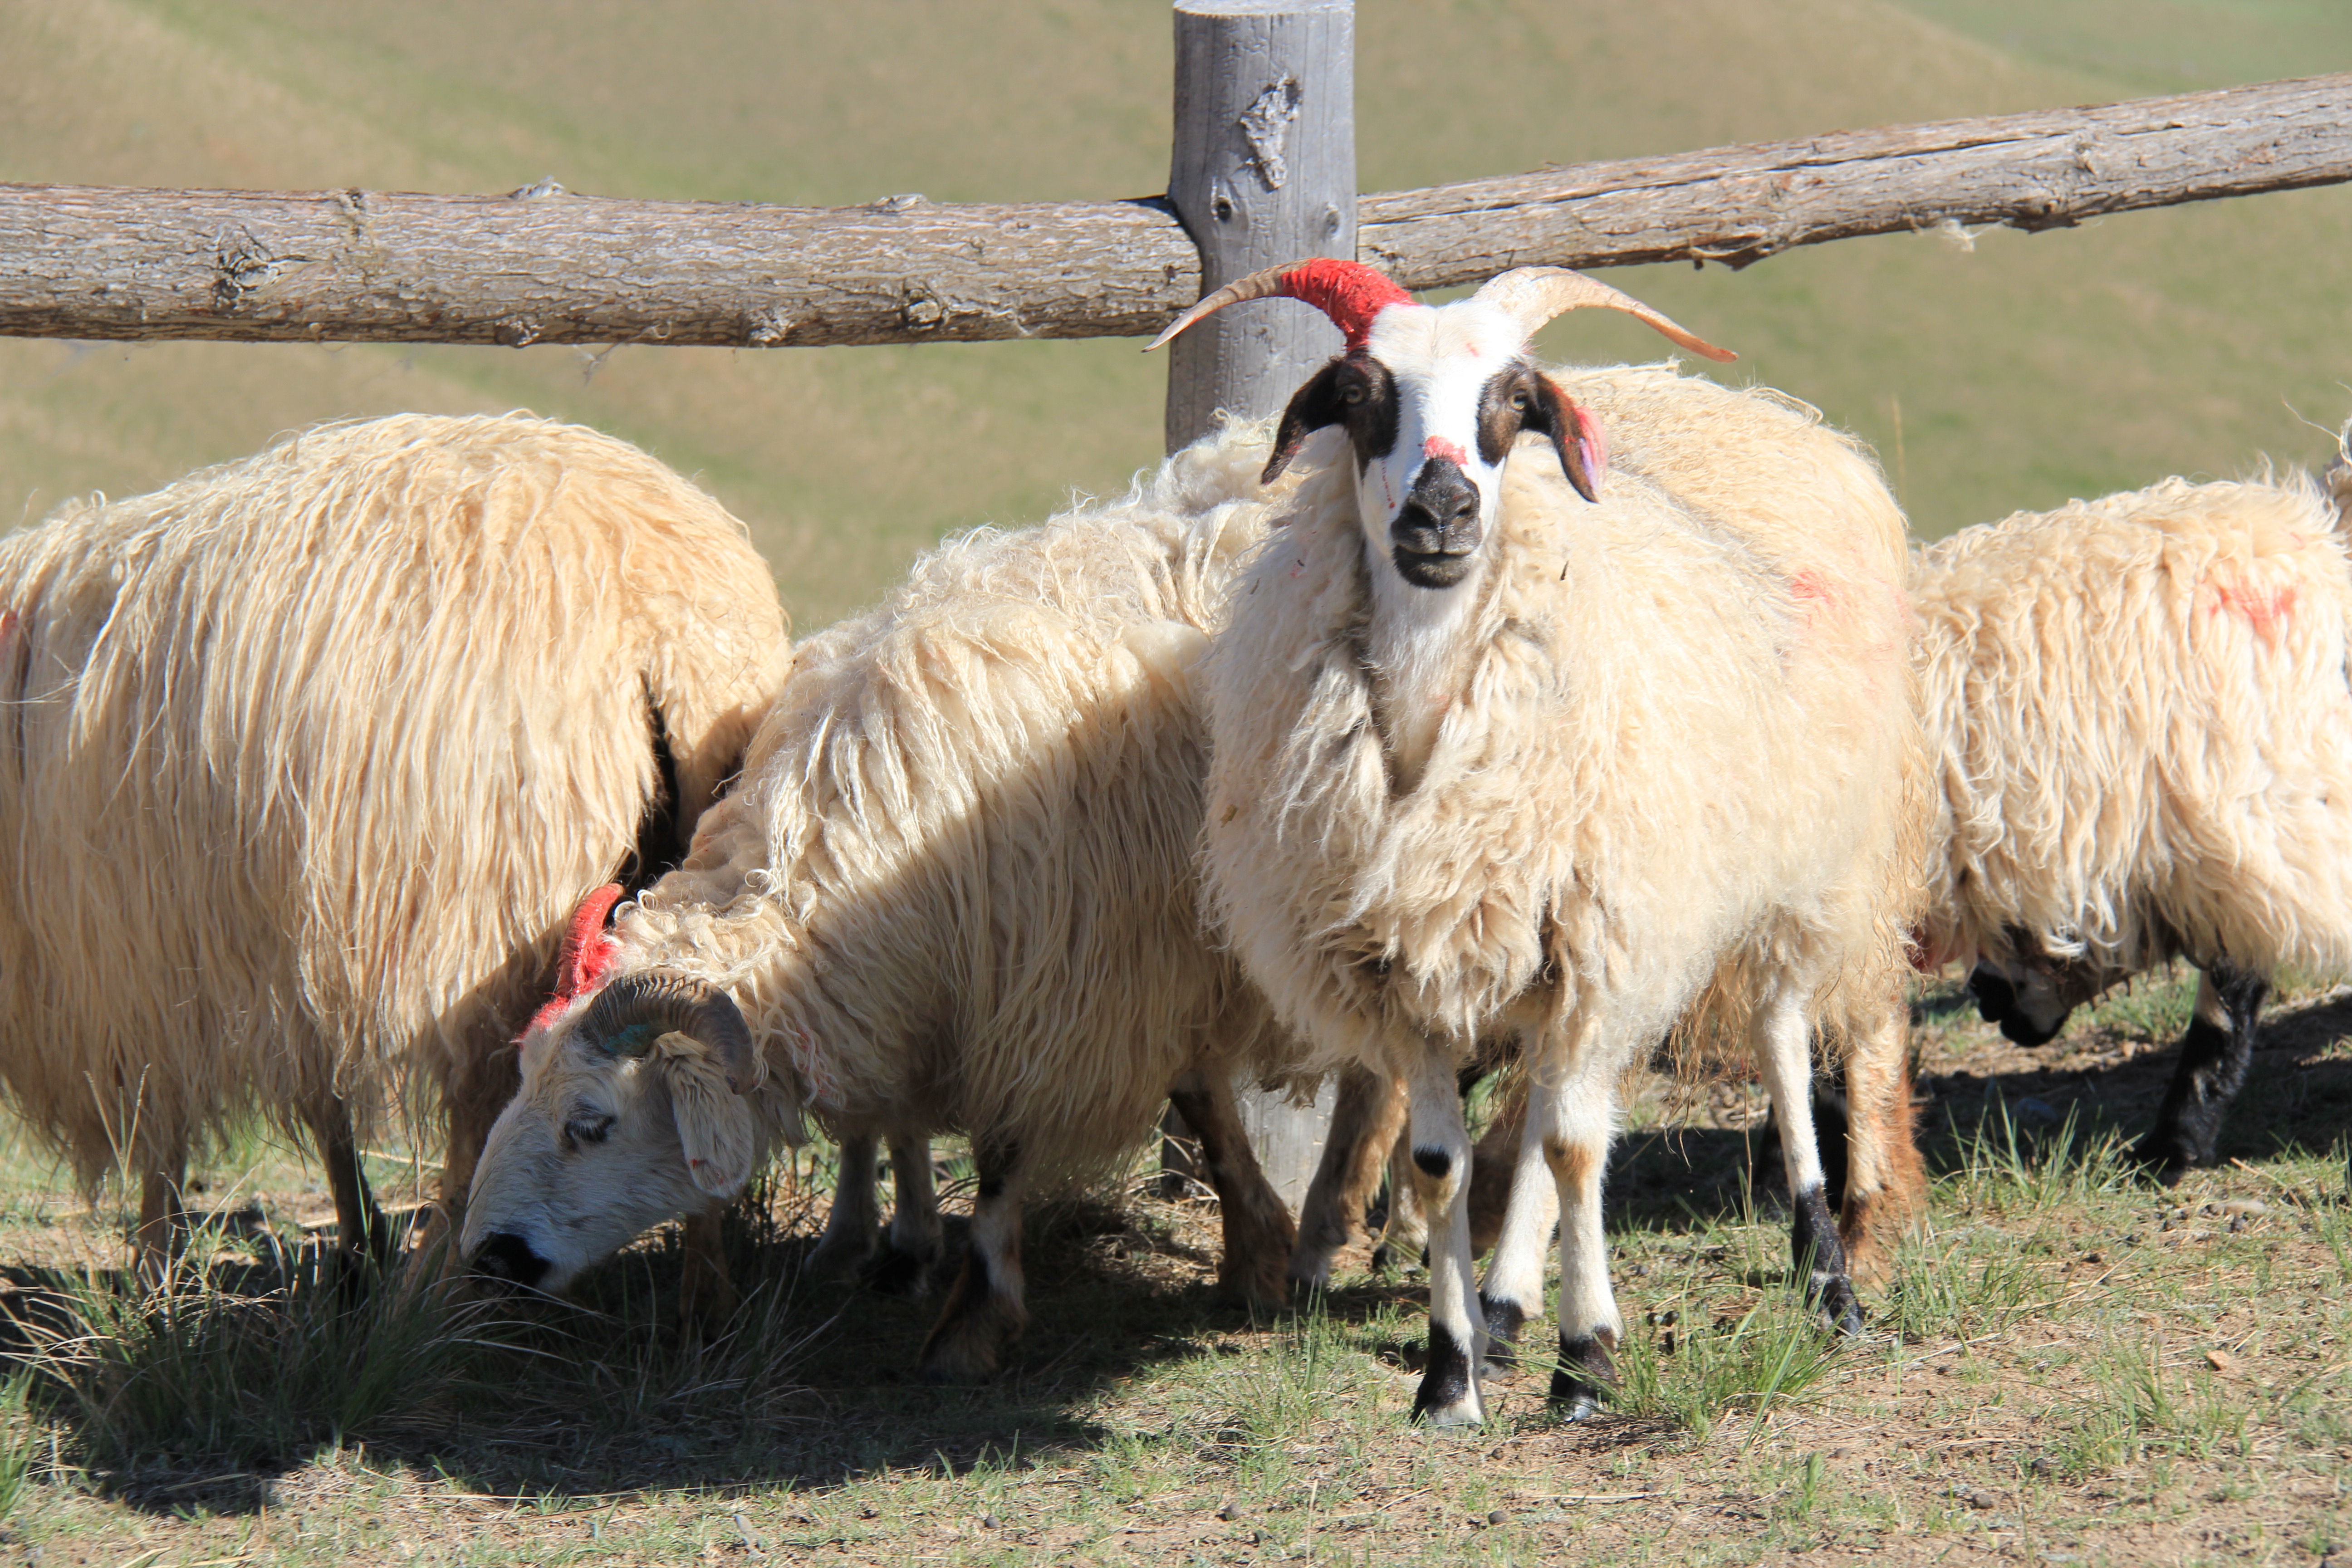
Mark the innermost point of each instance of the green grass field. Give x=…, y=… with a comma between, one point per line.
x=2017, y=373
x=2069, y=1366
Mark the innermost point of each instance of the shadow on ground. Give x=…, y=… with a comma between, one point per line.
x=205, y=1399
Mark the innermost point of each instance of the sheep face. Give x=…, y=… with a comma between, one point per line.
x=1433, y=405
x=2031, y=999
x=1434, y=397
x=617, y=1127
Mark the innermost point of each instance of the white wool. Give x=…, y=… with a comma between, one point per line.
x=310, y=754
x=2143, y=731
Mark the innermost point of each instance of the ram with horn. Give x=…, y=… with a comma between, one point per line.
x=1576, y=708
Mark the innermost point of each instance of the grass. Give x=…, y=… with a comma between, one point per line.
x=2067, y=1364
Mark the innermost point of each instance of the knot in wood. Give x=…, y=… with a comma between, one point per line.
x=545, y=186
x=517, y=332
x=241, y=264
x=767, y=329
x=922, y=311
x=900, y=204
x=1266, y=126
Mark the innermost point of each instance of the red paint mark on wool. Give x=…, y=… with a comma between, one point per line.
x=1439, y=446
x=586, y=957
x=2266, y=610
x=1348, y=292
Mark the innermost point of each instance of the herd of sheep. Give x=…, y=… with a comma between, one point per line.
x=1472, y=710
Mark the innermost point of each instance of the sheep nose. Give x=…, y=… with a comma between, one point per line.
x=506, y=1260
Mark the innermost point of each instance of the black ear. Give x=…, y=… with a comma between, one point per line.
x=1312, y=406
x=1574, y=434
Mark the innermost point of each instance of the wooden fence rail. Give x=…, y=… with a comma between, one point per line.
x=90, y=262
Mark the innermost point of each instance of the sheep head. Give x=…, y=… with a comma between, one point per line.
x=634, y=1109
x=1434, y=397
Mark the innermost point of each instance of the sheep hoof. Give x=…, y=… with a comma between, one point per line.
x=896, y=1273
x=2162, y=1161
x=1504, y=1320
x=1581, y=1406
x=1839, y=1308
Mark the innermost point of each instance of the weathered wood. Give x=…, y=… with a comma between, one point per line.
x=1263, y=171
x=2049, y=169
x=83, y=262
x=551, y=266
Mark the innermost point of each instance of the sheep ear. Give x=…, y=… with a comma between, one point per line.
x=714, y=1122
x=1312, y=406
x=1575, y=435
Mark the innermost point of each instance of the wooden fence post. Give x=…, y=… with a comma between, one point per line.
x=1263, y=171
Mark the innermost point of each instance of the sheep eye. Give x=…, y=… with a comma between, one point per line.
x=1352, y=395
x=586, y=1129
x=1519, y=400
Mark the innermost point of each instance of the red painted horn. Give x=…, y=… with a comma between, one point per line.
x=1350, y=292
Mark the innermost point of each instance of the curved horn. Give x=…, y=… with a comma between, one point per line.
x=635, y=1010
x=1534, y=295
x=572, y=959
x=1348, y=292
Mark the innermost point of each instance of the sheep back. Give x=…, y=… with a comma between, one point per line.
x=310, y=755
x=955, y=886
x=2145, y=730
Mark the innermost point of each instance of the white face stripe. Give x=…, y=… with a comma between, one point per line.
x=1441, y=359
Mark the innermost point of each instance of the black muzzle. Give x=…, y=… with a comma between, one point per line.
x=1436, y=533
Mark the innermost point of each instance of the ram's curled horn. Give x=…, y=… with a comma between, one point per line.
x=1350, y=292
x=632, y=1011
x=1534, y=295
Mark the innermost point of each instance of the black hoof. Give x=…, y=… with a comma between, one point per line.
x=2162, y=1162
x=1580, y=1384
x=1503, y=1323
x=1840, y=1311
x=898, y=1274
x=1448, y=1395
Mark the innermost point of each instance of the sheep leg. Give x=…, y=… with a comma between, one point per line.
x=851, y=1229
x=162, y=1215
x=2214, y=1057
x=1258, y=1236
x=1367, y=1118
x=1404, y=1238
x=1570, y=1122
x=916, y=1242
x=1529, y=1198
x=1448, y=1395
x=359, y=1224
x=1885, y=1184
x=1782, y=1037
x=1495, y=1164
x=983, y=1309
x=707, y=1296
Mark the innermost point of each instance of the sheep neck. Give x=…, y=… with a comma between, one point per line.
x=1414, y=647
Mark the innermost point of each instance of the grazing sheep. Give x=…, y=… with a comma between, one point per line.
x=2146, y=742
x=954, y=890
x=1492, y=761
x=310, y=753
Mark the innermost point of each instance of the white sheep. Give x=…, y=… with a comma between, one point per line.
x=953, y=890
x=1489, y=759
x=309, y=755
x=2146, y=752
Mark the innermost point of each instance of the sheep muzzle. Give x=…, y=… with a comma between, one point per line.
x=1436, y=531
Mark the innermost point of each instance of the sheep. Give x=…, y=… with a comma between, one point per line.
x=953, y=890
x=310, y=754
x=2145, y=745
x=1487, y=761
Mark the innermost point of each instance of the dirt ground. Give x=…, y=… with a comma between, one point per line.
x=2070, y=1367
